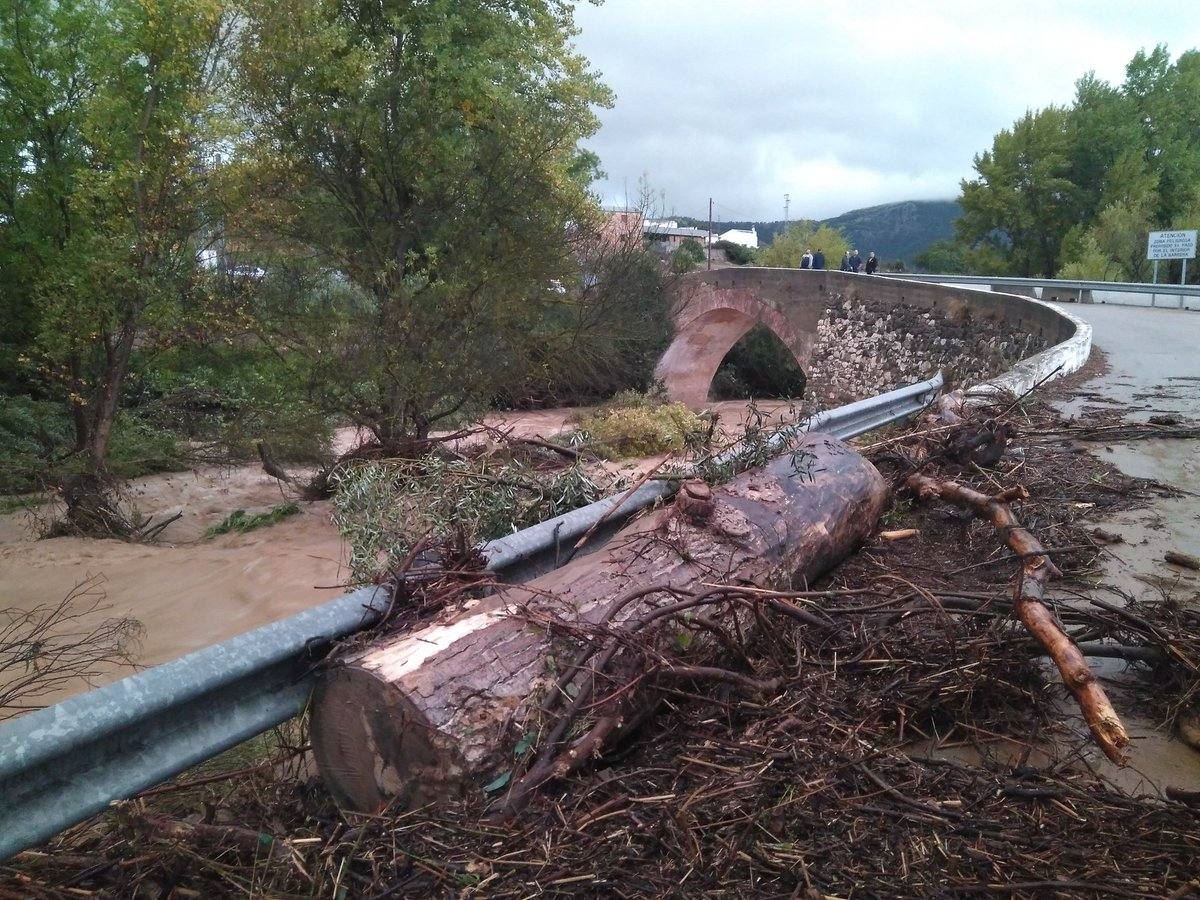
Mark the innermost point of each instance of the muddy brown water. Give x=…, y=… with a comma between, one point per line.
x=188, y=592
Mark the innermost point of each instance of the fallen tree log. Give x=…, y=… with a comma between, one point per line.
x=1029, y=605
x=424, y=715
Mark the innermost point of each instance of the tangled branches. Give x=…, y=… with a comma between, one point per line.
x=383, y=507
x=54, y=646
x=810, y=760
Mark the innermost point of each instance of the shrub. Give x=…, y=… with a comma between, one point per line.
x=736, y=253
x=633, y=424
x=36, y=436
x=383, y=508
x=688, y=255
x=607, y=339
x=30, y=433
x=142, y=448
x=240, y=522
x=235, y=398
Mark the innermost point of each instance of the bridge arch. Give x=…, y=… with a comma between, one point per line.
x=709, y=320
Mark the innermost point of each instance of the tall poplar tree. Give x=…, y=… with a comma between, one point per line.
x=428, y=154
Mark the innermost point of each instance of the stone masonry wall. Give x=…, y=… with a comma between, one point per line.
x=865, y=347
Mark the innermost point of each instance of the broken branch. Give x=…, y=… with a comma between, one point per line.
x=1029, y=605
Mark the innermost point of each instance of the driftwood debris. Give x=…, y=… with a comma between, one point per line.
x=1029, y=604
x=426, y=714
x=1186, y=560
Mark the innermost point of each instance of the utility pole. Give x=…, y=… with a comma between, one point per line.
x=787, y=199
x=708, y=249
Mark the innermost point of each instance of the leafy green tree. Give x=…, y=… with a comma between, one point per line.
x=1022, y=202
x=1076, y=190
x=1102, y=127
x=788, y=246
x=1086, y=261
x=1165, y=103
x=427, y=153
x=944, y=257
x=1114, y=247
x=606, y=335
x=687, y=256
x=107, y=111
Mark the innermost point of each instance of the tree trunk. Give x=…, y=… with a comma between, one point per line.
x=91, y=506
x=105, y=414
x=423, y=715
x=79, y=416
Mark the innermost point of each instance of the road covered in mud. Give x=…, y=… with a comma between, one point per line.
x=1148, y=371
x=1152, y=371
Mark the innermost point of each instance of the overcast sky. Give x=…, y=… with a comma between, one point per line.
x=841, y=106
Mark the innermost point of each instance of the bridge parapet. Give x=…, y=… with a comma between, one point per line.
x=715, y=309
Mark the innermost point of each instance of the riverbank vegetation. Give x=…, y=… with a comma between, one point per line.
x=225, y=224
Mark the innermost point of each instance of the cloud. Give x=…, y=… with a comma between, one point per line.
x=841, y=106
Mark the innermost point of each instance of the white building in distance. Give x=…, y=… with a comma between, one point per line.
x=740, y=236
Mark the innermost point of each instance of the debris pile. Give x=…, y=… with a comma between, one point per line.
x=892, y=728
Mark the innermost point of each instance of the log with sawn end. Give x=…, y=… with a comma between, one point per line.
x=432, y=713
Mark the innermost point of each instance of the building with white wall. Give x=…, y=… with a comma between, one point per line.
x=740, y=236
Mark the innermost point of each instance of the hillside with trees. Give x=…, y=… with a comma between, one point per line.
x=898, y=231
x=1072, y=191
x=895, y=231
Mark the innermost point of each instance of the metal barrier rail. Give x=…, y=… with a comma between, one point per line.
x=60, y=765
x=1116, y=287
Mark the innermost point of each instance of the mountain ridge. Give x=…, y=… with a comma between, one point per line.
x=895, y=231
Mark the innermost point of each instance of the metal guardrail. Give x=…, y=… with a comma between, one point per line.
x=60, y=765
x=1119, y=287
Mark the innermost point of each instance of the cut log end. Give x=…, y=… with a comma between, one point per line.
x=386, y=750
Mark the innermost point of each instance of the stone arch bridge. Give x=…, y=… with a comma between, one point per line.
x=714, y=310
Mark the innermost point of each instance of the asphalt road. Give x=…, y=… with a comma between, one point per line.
x=1149, y=351
x=1154, y=367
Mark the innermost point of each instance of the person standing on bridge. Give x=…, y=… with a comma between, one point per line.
x=846, y=261
x=855, y=261
x=806, y=261
x=818, y=260
x=872, y=263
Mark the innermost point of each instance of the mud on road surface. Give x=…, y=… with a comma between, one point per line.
x=1152, y=371
x=1148, y=372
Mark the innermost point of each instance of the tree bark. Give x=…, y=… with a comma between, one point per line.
x=1028, y=602
x=105, y=411
x=424, y=715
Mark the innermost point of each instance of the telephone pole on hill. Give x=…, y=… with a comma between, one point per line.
x=787, y=200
